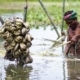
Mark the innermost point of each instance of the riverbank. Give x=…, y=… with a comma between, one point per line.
x=36, y=15
x=21, y=5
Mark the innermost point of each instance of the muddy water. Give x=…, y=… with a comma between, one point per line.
x=51, y=66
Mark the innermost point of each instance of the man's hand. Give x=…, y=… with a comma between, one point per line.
x=74, y=40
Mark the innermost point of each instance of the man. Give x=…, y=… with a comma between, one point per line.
x=70, y=18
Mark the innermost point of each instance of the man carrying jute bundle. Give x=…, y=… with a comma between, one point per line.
x=73, y=32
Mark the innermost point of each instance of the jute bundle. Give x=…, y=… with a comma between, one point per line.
x=17, y=38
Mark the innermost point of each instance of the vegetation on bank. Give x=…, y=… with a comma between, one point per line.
x=36, y=15
x=35, y=0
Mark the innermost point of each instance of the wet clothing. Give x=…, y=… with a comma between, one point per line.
x=75, y=49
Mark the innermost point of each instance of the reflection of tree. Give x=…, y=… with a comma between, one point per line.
x=18, y=72
x=73, y=69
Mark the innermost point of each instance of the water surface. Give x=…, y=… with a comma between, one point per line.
x=44, y=67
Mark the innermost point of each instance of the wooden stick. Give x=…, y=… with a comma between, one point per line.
x=40, y=1
x=68, y=50
x=25, y=12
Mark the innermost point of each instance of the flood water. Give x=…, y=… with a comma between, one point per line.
x=44, y=67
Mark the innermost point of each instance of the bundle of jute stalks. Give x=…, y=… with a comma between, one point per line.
x=17, y=38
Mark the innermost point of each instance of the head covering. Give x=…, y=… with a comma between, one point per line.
x=71, y=15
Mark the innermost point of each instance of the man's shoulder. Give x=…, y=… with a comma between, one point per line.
x=78, y=25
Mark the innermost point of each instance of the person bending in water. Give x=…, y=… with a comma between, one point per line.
x=70, y=17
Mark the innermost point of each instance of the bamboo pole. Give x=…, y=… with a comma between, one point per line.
x=63, y=10
x=49, y=17
x=25, y=12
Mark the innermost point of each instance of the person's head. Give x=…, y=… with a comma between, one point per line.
x=70, y=18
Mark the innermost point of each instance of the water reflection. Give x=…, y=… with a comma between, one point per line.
x=17, y=72
x=73, y=67
x=42, y=68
